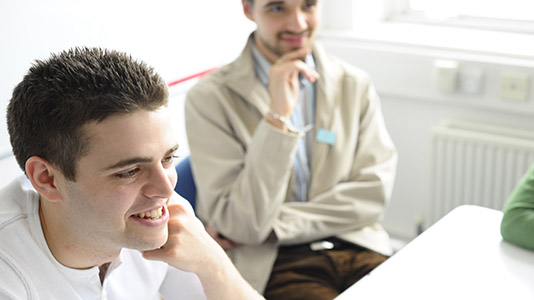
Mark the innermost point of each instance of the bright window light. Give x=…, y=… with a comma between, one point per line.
x=516, y=10
x=498, y=15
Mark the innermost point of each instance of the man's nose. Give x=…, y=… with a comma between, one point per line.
x=161, y=182
x=297, y=21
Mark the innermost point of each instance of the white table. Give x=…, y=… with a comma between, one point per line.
x=462, y=256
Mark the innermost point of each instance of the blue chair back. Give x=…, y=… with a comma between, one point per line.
x=185, y=186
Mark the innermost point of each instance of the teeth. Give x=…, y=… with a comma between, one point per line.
x=153, y=214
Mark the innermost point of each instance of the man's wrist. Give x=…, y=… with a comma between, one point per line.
x=280, y=122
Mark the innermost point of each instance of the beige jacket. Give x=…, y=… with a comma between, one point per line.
x=243, y=166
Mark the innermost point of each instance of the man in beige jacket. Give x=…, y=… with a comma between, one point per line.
x=292, y=159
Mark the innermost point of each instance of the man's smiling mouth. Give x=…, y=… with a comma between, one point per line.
x=153, y=214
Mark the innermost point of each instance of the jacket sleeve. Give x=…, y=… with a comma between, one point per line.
x=356, y=201
x=517, y=225
x=241, y=178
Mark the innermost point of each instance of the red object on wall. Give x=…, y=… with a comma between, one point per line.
x=200, y=74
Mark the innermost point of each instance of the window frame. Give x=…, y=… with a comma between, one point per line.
x=375, y=22
x=399, y=11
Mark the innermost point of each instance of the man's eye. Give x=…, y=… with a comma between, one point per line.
x=276, y=8
x=127, y=174
x=169, y=159
x=310, y=4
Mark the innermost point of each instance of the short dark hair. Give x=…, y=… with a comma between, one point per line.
x=58, y=96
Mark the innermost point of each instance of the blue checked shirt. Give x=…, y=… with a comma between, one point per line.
x=302, y=115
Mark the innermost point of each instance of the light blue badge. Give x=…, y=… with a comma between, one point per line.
x=326, y=136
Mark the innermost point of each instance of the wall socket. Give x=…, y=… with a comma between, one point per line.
x=446, y=75
x=514, y=86
x=470, y=80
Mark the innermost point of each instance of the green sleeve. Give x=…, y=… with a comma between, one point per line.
x=517, y=224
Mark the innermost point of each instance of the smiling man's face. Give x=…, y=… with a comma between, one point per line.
x=123, y=183
x=283, y=26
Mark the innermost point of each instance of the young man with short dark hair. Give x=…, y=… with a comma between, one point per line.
x=96, y=217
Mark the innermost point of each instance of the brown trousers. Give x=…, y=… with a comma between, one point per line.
x=319, y=274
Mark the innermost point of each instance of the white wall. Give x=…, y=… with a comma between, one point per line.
x=403, y=75
x=177, y=37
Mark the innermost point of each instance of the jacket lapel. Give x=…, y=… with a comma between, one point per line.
x=326, y=101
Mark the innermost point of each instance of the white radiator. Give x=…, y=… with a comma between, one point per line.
x=476, y=163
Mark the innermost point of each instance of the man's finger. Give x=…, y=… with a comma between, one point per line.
x=293, y=55
x=176, y=209
x=306, y=71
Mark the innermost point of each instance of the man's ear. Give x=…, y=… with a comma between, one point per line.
x=43, y=176
x=247, y=9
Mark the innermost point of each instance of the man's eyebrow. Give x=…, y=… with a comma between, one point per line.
x=173, y=149
x=129, y=161
x=136, y=160
x=273, y=3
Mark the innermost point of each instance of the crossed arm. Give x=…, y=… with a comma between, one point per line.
x=517, y=224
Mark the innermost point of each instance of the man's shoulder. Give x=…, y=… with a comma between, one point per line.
x=21, y=260
x=222, y=83
x=13, y=199
x=16, y=212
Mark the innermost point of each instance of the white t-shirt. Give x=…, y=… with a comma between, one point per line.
x=28, y=270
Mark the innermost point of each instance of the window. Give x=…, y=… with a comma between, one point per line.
x=504, y=15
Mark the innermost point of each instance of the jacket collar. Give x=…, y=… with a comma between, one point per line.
x=241, y=78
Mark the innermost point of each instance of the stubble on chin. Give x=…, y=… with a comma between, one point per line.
x=141, y=243
x=279, y=51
